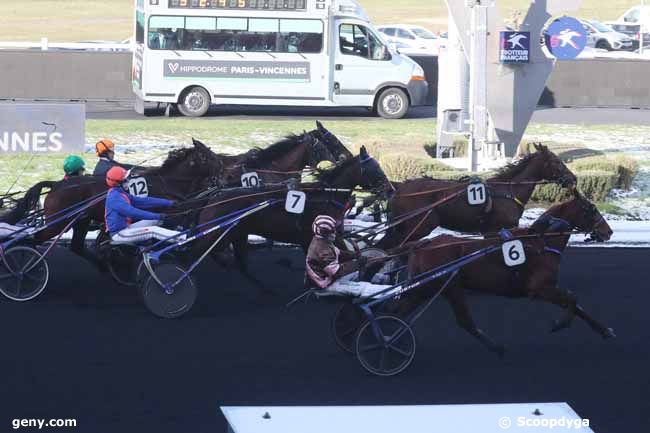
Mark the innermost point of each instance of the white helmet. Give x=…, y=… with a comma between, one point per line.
x=324, y=225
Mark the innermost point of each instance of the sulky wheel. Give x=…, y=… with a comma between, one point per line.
x=174, y=299
x=23, y=273
x=386, y=345
x=345, y=325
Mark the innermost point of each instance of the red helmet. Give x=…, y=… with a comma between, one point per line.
x=324, y=225
x=115, y=176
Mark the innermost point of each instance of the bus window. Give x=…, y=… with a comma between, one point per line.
x=301, y=36
x=357, y=40
x=166, y=33
x=353, y=40
x=378, y=50
x=197, y=29
x=235, y=34
x=227, y=36
x=261, y=35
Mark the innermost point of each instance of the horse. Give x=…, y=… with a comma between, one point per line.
x=278, y=162
x=544, y=243
x=509, y=191
x=184, y=172
x=329, y=196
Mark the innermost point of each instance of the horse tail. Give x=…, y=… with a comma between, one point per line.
x=27, y=203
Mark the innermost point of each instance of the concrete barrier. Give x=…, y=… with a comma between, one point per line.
x=65, y=75
x=599, y=83
x=72, y=75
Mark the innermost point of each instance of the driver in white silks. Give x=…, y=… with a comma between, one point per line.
x=122, y=209
x=334, y=270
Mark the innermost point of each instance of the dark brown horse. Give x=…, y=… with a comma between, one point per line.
x=508, y=193
x=278, y=162
x=186, y=171
x=330, y=197
x=544, y=242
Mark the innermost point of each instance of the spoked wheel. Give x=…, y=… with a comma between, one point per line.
x=174, y=298
x=386, y=345
x=345, y=325
x=123, y=264
x=23, y=273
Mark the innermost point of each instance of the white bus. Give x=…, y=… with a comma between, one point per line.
x=194, y=53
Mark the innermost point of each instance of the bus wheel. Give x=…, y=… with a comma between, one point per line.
x=392, y=103
x=194, y=102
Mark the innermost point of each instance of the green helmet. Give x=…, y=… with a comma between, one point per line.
x=73, y=164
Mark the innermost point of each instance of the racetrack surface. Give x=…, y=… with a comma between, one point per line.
x=88, y=350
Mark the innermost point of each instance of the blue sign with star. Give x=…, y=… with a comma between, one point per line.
x=565, y=38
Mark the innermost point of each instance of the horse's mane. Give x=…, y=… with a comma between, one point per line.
x=514, y=168
x=328, y=176
x=174, y=158
x=259, y=157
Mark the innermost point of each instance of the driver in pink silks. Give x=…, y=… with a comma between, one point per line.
x=332, y=269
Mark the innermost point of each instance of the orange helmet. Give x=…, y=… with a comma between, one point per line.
x=104, y=146
x=115, y=176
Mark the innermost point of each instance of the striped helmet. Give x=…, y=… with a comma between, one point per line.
x=324, y=225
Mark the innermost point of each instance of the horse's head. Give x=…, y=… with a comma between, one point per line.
x=317, y=150
x=334, y=145
x=589, y=220
x=552, y=167
x=197, y=162
x=362, y=170
x=372, y=175
x=577, y=213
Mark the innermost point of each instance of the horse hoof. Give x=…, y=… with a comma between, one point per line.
x=609, y=333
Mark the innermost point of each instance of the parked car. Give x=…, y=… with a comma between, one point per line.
x=633, y=23
x=412, y=39
x=604, y=37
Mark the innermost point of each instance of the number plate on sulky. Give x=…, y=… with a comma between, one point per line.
x=250, y=180
x=296, y=201
x=513, y=253
x=476, y=194
x=138, y=187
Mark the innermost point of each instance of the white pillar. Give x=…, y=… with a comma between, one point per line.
x=478, y=84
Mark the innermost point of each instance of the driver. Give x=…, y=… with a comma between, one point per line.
x=332, y=269
x=123, y=208
x=73, y=166
x=105, y=150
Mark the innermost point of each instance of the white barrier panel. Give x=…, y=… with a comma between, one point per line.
x=475, y=418
x=42, y=128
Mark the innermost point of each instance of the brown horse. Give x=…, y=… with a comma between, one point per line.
x=330, y=197
x=508, y=193
x=186, y=171
x=544, y=242
x=278, y=162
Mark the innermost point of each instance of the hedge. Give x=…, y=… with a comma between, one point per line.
x=597, y=175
